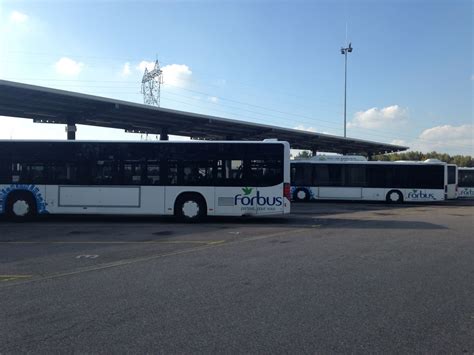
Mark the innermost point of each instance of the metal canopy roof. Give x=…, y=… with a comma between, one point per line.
x=48, y=105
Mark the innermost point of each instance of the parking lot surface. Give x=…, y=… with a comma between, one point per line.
x=330, y=277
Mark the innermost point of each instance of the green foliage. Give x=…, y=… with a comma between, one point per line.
x=459, y=160
x=247, y=190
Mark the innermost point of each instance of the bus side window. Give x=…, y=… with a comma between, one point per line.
x=299, y=175
x=105, y=172
x=16, y=171
x=355, y=175
x=63, y=173
x=5, y=172
x=451, y=174
x=236, y=169
x=466, y=178
x=198, y=173
x=132, y=172
x=29, y=173
x=153, y=172
x=229, y=172
x=335, y=175
x=172, y=172
x=321, y=175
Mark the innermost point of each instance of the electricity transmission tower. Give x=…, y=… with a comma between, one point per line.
x=151, y=85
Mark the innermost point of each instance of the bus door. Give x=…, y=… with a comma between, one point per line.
x=452, y=182
x=229, y=193
x=267, y=197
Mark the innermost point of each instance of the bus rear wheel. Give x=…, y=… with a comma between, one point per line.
x=21, y=206
x=394, y=196
x=190, y=208
x=301, y=195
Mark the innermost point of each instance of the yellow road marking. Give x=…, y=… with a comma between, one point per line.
x=158, y=256
x=4, y=278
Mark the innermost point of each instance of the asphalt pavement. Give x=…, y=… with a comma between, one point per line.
x=331, y=277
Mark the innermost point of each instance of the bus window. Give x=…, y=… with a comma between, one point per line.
x=302, y=175
x=105, y=172
x=265, y=172
x=132, y=173
x=355, y=175
x=197, y=173
x=172, y=172
x=63, y=173
x=230, y=172
x=377, y=176
x=29, y=173
x=321, y=175
x=466, y=178
x=5, y=172
x=451, y=174
x=335, y=175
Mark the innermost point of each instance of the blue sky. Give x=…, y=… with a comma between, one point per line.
x=410, y=74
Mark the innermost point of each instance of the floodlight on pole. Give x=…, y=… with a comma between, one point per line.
x=344, y=52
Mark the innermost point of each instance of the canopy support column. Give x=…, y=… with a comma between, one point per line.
x=164, y=134
x=71, y=131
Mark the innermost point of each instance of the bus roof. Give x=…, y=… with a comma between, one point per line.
x=380, y=162
x=141, y=142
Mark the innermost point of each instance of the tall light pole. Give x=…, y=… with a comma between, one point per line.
x=344, y=51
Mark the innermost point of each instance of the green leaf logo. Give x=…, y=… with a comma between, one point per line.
x=247, y=190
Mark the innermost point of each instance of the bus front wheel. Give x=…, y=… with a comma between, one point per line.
x=21, y=205
x=190, y=208
x=394, y=196
x=301, y=195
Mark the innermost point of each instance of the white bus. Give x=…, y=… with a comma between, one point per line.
x=187, y=179
x=466, y=182
x=339, y=178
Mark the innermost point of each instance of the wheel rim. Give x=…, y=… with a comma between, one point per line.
x=190, y=209
x=21, y=208
x=394, y=197
x=301, y=195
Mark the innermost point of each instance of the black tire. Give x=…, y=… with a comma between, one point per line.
x=394, y=196
x=190, y=208
x=301, y=195
x=21, y=206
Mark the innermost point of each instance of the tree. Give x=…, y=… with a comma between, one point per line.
x=305, y=154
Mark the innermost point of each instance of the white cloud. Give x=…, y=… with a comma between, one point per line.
x=145, y=64
x=18, y=17
x=68, y=67
x=399, y=142
x=303, y=128
x=449, y=136
x=126, y=69
x=176, y=74
x=213, y=99
x=444, y=139
x=376, y=118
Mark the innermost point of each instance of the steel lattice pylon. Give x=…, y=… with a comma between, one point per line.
x=151, y=85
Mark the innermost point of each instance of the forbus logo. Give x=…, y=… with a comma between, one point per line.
x=419, y=195
x=257, y=200
x=466, y=192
